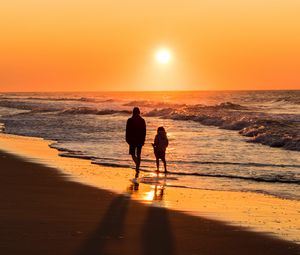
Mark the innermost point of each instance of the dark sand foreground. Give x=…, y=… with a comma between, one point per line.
x=43, y=213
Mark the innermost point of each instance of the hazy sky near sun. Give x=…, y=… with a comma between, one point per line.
x=85, y=45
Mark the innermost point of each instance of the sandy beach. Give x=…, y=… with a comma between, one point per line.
x=44, y=212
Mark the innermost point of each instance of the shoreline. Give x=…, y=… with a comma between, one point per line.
x=44, y=213
x=258, y=212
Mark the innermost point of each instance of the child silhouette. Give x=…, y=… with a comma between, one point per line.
x=160, y=145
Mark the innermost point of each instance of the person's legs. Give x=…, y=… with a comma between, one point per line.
x=157, y=164
x=138, y=157
x=165, y=165
x=163, y=159
x=134, y=158
x=157, y=156
x=132, y=149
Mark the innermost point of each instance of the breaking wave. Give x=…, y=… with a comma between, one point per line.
x=151, y=104
x=30, y=106
x=273, y=130
x=288, y=99
x=88, y=110
x=33, y=107
x=55, y=98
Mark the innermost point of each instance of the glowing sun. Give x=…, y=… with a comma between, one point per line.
x=163, y=56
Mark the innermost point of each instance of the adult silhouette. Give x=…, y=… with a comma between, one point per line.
x=135, y=136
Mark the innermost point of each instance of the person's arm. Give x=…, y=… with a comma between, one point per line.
x=144, y=130
x=127, y=135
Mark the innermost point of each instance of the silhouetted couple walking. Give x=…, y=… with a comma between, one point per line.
x=136, y=135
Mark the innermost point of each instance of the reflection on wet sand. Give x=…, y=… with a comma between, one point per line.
x=152, y=193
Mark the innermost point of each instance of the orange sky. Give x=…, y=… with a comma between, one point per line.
x=85, y=45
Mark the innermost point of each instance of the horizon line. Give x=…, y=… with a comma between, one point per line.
x=145, y=91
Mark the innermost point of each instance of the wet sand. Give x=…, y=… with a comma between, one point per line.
x=42, y=212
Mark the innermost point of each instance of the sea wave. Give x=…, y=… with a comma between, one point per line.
x=267, y=178
x=288, y=99
x=195, y=110
x=89, y=110
x=252, y=164
x=30, y=106
x=103, y=160
x=288, y=178
x=273, y=130
x=33, y=107
x=2, y=127
x=152, y=104
x=56, y=98
x=273, y=178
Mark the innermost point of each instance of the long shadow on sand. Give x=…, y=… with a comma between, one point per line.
x=157, y=234
x=110, y=230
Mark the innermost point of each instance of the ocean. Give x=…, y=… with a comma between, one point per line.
x=245, y=141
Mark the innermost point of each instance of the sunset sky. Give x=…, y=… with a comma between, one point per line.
x=86, y=45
